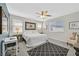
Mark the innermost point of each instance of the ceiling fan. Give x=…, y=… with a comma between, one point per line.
x=44, y=13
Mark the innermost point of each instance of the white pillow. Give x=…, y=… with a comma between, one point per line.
x=35, y=32
x=31, y=32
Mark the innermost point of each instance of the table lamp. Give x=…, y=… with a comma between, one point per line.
x=17, y=30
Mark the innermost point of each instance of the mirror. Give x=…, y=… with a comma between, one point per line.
x=4, y=23
x=0, y=20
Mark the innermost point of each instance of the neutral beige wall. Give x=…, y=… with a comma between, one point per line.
x=63, y=36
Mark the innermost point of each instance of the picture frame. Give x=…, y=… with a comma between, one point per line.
x=74, y=25
x=30, y=26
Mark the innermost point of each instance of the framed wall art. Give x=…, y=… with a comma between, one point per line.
x=30, y=26
x=74, y=25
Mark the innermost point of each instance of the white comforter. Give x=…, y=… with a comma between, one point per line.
x=34, y=39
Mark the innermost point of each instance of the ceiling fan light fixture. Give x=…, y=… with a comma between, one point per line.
x=44, y=14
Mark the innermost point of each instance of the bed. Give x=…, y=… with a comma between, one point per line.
x=34, y=38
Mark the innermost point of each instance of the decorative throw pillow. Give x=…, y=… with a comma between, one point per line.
x=73, y=36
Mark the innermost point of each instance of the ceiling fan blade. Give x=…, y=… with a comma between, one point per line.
x=38, y=13
x=46, y=12
x=49, y=15
x=43, y=13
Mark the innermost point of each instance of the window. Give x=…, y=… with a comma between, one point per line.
x=56, y=26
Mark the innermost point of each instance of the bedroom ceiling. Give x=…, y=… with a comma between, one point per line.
x=29, y=10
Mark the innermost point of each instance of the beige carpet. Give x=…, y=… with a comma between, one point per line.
x=22, y=49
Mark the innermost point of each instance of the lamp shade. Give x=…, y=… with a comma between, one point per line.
x=17, y=29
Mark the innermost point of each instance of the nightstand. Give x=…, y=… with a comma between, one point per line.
x=19, y=37
x=9, y=46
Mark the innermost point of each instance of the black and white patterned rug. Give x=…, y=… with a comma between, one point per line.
x=48, y=49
